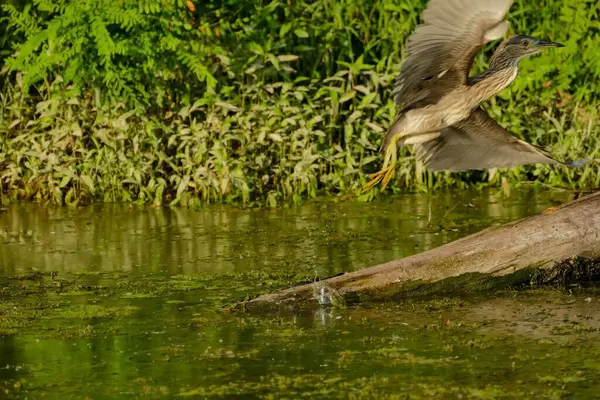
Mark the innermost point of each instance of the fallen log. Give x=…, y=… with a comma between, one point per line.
x=522, y=249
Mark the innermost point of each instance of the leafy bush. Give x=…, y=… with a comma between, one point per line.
x=254, y=102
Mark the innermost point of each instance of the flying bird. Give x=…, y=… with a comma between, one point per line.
x=440, y=104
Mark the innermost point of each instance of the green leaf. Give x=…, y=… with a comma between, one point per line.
x=301, y=33
x=349, y=95
x=65, y=181
x=88, y=182
x=275, y=137
x=285, y=28
x=287, y=57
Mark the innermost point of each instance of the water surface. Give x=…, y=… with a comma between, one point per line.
x=330, y=237
x=110, y=301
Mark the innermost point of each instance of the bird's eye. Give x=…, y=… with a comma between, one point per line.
x=525, y=43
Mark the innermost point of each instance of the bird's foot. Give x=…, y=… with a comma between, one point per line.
x=389, y=164
x=382, y=176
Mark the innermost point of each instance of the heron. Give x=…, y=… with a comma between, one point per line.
x=439, y=104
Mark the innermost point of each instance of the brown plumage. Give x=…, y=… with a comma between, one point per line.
x=439, y=104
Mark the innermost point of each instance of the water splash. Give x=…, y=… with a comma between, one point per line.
x=327, y=296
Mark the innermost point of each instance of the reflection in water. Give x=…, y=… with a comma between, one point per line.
x=328, y=237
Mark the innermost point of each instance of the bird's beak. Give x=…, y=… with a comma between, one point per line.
x=544, y=44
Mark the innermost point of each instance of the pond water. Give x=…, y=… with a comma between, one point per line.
x=112, y=301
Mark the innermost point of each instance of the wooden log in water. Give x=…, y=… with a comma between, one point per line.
x=538, y=243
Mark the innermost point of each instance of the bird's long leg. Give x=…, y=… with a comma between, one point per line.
x=390, y=154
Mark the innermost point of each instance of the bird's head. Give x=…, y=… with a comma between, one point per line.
x=515, y=48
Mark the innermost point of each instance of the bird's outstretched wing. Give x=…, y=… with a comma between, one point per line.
x=478, y=143
x=441, y=50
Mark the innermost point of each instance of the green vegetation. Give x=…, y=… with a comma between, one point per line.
x=254, y=102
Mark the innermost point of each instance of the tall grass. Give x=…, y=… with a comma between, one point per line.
x=255, y=103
